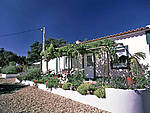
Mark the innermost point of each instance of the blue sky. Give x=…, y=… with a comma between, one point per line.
x=68, y=19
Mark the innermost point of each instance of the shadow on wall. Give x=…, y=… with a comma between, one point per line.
x=6, y=88
x=101, y=69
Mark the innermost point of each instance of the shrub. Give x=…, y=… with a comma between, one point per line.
x=12, y=63
x=66, y=86
x=100, y=92
x=0, y=70
x=84, y=88
x=76, y=79
x=9, y=70
x=33, y=73
x=117, y=82
x=46, y=77
x=20, y=68
x=52, y=82
x=21, y=77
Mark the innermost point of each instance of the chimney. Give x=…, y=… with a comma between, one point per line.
x=148, y=26
x=78, y=41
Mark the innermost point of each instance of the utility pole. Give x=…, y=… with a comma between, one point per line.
x=43, y=30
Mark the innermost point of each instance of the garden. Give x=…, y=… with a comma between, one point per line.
x=106, y=93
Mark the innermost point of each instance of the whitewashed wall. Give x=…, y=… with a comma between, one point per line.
x=52, y=64
x=137, y=44
x=44, y=66
x=61, y=63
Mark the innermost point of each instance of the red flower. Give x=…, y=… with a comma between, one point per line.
x=53, y=77
x=88, y=92
x=42, y=80
x=35, y=81
x=33, y=84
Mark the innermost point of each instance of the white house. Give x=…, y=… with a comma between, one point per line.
x=137, y=40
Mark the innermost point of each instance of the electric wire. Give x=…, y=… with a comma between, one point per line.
x=17, y=33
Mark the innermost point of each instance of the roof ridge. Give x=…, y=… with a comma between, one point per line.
x=117, y=34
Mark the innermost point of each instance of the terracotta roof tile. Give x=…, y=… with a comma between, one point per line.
x=118, y=34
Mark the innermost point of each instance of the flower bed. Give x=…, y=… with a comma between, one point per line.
x=116, y=101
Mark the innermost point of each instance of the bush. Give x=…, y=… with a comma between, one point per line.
x=100, y=92
x=117, y=82
x=0, y=70
x=52, y=82
x=9, y=70
x=21, y=77
x=84, y=88
x=12, y=63
x=76, y=79
x=66, y=86
x=20, y=68
x=33, y=73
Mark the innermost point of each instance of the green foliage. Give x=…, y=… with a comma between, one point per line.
x=76, y=79
x=56, y=42
x=12, y=63
x=12, y=68
x=8, y=56
x=50, y=52
x=33, y=73
x=141, y=82
x=21, y=60
x=20, y=68
x=135, y=82
x=100, y=92
x=21, y=77
x=135, y=66
x=52, y=82
x=34, y=53
x=9, y=70
x=84, y=88
x=46, y=77
x=66, y=86
x=117, y=82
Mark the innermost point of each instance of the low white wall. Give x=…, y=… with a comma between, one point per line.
x=116, y=101
x=9, y=75
x=128, y=101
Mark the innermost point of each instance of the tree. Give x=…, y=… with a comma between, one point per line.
x=21, y=60
x=34, y=53
x=56, y=42
x=135, y=66
x=8, y=56
x=2, y=63
x=36, y=49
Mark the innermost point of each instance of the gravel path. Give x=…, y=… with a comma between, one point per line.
x=30, y=100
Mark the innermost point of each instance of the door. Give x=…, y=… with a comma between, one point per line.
x=89, y=66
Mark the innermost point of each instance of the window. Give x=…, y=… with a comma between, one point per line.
x=67, y=61
x=89, y=61
x=148, y=37
x=120, y=60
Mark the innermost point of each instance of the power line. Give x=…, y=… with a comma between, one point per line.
x=17, y=33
